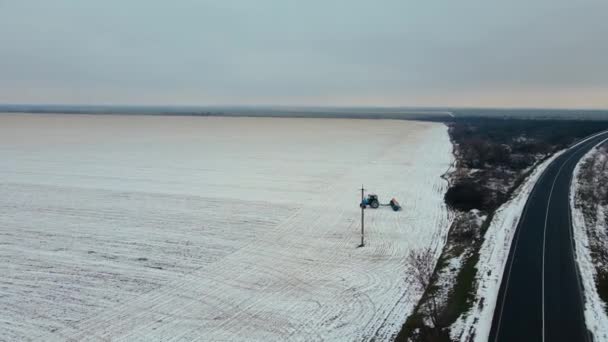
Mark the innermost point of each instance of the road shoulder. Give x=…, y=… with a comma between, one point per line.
x=588, y=205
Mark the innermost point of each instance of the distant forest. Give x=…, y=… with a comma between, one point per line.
x=396, y=113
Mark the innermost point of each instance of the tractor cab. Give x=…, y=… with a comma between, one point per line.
x=371, y=200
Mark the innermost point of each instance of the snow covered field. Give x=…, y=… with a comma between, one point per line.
x=185, y=228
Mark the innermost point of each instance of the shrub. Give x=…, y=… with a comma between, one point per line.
x=465, y=196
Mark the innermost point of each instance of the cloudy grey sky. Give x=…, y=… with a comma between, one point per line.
x=522, y=53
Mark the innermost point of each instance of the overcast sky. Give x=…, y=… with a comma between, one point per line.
x=516, y=53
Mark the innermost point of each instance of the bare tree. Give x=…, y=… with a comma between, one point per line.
x=420, y=263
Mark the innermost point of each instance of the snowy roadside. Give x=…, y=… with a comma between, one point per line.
x=475, y=324
x=589, y=232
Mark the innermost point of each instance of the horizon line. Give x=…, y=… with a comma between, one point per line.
x=296, y=107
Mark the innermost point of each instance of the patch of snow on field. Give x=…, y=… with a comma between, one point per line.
x=180, y=228
x=595, y=311
x=475, y=325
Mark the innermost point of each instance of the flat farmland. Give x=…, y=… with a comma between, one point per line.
x=158, y=228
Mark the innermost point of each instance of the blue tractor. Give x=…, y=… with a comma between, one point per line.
x=371, y=200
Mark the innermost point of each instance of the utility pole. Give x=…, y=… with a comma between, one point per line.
x=362, y=217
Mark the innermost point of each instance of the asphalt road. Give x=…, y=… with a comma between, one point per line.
x=541, y=296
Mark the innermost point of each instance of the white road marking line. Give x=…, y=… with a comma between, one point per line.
x=581, y=292
x=545, y=228
x=502, y=306
x=544, y=244
x=587, y=139
x=517, y=233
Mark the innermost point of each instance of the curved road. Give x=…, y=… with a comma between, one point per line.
x=541, y=296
